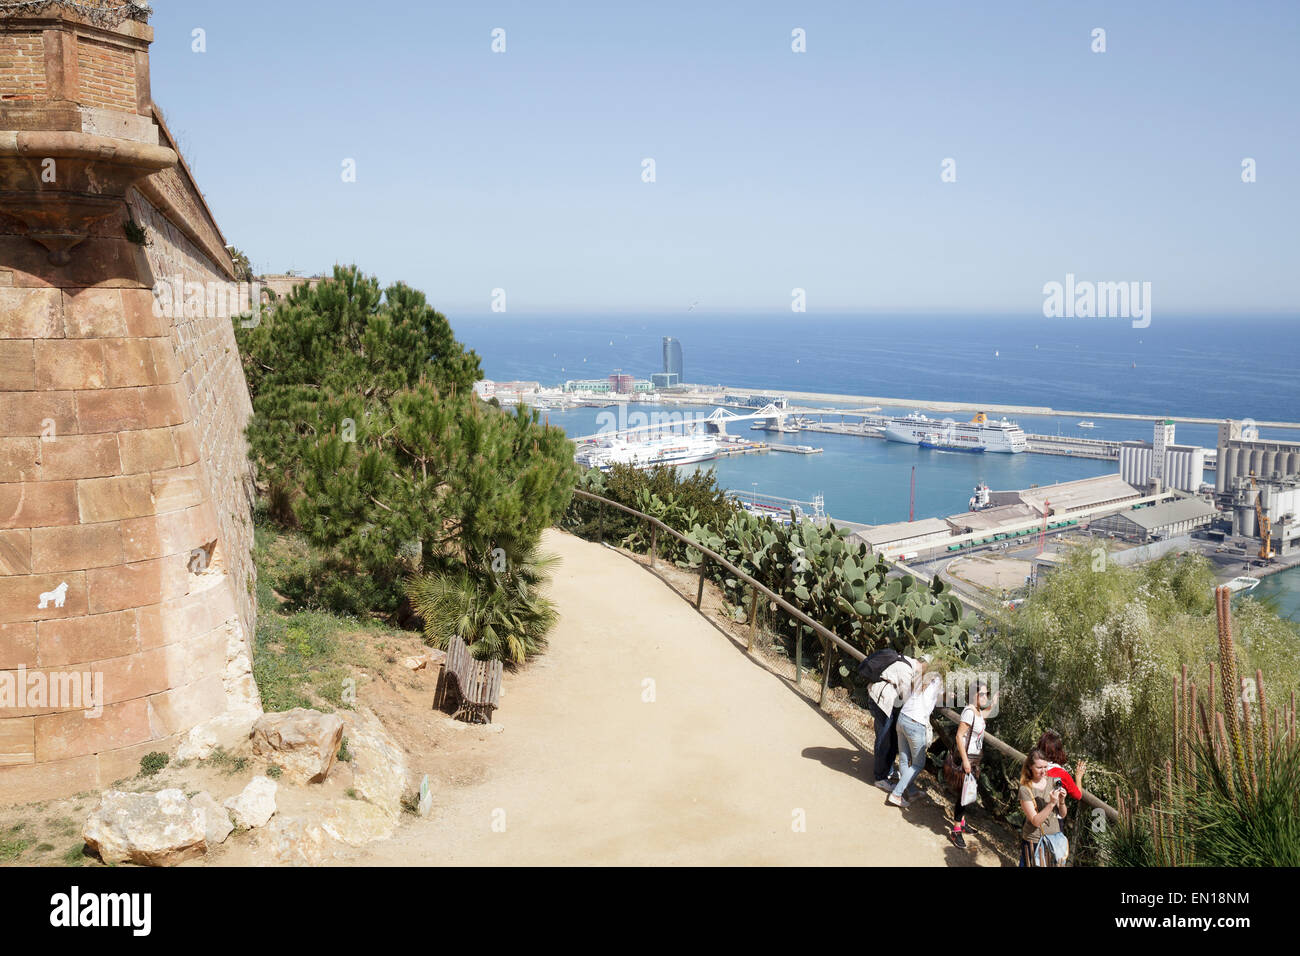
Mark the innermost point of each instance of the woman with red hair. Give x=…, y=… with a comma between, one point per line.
x=1052, y=746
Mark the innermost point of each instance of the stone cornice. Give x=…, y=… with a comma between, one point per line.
x=60, y=183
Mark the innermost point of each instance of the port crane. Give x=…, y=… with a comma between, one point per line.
x=1265, y=526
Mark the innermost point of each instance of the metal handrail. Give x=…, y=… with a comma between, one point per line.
x=820, y=630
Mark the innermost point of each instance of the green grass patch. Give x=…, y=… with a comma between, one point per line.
x=226, y=762
x=11, y=848
x=75, y=855
x=303, y=656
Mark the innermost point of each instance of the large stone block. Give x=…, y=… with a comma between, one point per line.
x=80, y=456
x=15, y=552
x=44, y=414
x=20, y=459
x=72, y=734
x=80, y=639
x=153, y=449
x=76, y=547
x=18, y=647
x=17, y=741
x=42, y=597
x=110, y=410
x=18, y=364
x=112, y=499
x=70, y=364
x=38, y=504
x=94, y=313
x=126, y=586
x=30, y=314
x=129, y=362
x=42, y=781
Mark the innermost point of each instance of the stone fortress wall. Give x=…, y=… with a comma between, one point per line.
x=125, y=493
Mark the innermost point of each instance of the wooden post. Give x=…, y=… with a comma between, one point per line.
x=828, y=661
x=753, y=616
x=699, y=596
x=654, y=543
x=600, y=524
x=798, y=656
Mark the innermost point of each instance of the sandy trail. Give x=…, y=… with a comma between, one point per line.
x=717, y=769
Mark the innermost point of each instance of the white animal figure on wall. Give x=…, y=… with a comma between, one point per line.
x=58, y=596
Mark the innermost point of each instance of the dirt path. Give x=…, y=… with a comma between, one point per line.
x=717, y=769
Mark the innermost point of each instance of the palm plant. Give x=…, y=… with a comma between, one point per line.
x=502, y=615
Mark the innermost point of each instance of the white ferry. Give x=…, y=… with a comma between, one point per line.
x=1087, y=425
x=979, y=434
x=666, y=450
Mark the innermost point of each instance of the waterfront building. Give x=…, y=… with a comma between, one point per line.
x=1158, y=522
x=673, y=358
x=1160, y=464
x=664, y=379
x=903, y=538
x=1242, y=453
x=486, y=388
x=1069, y=496
x=1278, y=499
x=609, y=385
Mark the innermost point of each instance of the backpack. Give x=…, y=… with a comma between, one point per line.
x=873, y=665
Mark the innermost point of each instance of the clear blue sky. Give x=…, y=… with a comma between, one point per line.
x=820, y=170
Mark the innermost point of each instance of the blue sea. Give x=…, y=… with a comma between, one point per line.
x=1196, y=366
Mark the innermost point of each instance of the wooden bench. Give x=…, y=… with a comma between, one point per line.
x=477, y=684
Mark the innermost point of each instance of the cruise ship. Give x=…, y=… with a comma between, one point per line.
x=666, y=450
x=979, y=434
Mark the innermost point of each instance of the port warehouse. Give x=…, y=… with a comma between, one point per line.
x=1159, y=522
x=1051, y=508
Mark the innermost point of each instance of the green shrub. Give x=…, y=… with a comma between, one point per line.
x=152, y=763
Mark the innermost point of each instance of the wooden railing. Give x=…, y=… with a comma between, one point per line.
x=833, y=644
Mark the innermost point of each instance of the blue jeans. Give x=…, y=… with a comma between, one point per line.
x=911, y=752
x=886, y=740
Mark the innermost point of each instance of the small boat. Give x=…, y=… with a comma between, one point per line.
x=1242, y=585
x=1087, y=425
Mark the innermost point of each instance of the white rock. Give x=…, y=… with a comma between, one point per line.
x=228, y=730
x=216, y=821
x=378, y=764
x=303, y=742
x=151, y=829
x=356, y=822
x=295, y=841
x=255, y=804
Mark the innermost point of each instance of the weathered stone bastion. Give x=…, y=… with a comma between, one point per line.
x=125, y=528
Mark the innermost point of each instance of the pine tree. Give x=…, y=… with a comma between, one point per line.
x=363, y=400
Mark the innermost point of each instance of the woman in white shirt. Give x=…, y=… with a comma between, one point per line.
x=970, y=747
x=913, y=722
